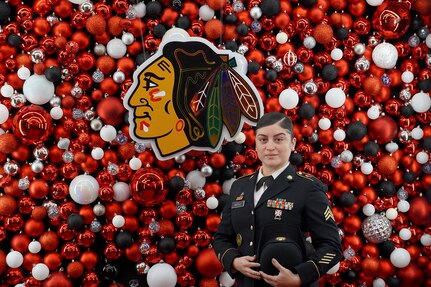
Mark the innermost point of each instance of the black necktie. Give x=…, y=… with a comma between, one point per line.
x=266, y=179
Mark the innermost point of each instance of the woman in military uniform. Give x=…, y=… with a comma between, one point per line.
x=277, y=204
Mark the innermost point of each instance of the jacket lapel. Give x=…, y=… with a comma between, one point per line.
x=249, y=190
x=280, y=183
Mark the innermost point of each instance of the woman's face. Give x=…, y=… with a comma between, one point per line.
x=154, y=114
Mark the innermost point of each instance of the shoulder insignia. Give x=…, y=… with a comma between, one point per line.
x=245, y=176
x=305, y=175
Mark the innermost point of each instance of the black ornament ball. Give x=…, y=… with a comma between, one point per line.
x=253, y=67
x=271, y=75
x=166, y=245
x=394, y=282
x=386, y=248
x=14, y=40
x=308, y=3
x=159, y=30
x=425, y=85
x=347, y=199
x=5, y=12
x=407, y=111
x=387, y=188
x=409, y=177
x=270, y=7
x=228, y=173
x=329, y=72
x=342, y=33
x=176, y=183
x=230, y=19
x=371, y=149
x=426, y=143
x=75, y=221
x=183, y=22
x=53, y=74
x=242, y=29
x=231, y=45
x=296, y=158
x=109, y=272
x=124, y=240
x=307, y=111
x=356, y=130
x=154, y=9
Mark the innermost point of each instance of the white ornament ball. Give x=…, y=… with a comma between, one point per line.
x=97, y=153
x=212, y=202
x=334, y=269
x=4, y=114
x=121, y=191
x=118, y=221
x=339, y=135
x=161, y=275
x=407, y=77
x=175, y=32
x=309, y=42
x=14, y=259
x=196, y=179
x=6, y=91
x=428, y=41
x=206, y=13
x=141, y=9
x=56, y=113
x=108, y=133
x=34, y=247
x=403, y=206
x=346, y=156
x=422, y=157
x=367, y=168
x=288, y=99
x=385, y=55
x=99, y=209
x=379, y=282
x=40, y=272
x=135, y=163
x=127, y=38
x=368, y=209
x=227, y=184
x=426, y=239
x=116, y=48
x=281, y=38
x=391, y=213
x=336, y=54
x=38, y=90
x=373, y=112
x=225, y=280
x=23, y=73
x=241, y=63
x=391, y=147
x=405, y=234
x=240, y=138
x=417, y=133
x=335, y=97
x=374, y=2
x=256, y=12
x=421, y=102
x=400, y=257
x=324, y=123
x=84, y=189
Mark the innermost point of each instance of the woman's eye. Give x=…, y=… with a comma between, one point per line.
x=149, y=84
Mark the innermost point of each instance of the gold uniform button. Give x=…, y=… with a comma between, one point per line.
x=238, y=240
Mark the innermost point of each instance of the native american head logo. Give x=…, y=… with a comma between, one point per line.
x=189, y=96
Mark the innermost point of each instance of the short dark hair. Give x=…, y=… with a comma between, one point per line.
x=278, y=118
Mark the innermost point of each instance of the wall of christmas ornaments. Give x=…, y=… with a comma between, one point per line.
x=354, y=76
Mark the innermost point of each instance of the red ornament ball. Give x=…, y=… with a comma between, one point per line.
x=7, y=205
x=383, y=129
x=420, y=211
x=207, y=263
x=111, y=111
x=32, y=125
x=387, y=164
x=323, y=34
x=148, y=186
x=214, y=29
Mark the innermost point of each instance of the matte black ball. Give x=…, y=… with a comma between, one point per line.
x=308, y=3
x=356, y=130
x=387, y=188
x=347, y=199
x=342, y=33
x=271, y=76
x=53, y=74
x=216, y=175
x=230, y=19
x=428, y=193
x=154, y=9
x=425, y=85
x=371, y=149
x=183, y=22
x=393, y=282
x=14, y=40
x=407, y=111
x=350, y=275
x=5, y=12
x=142, y=57
x=231, y=45
x=75, y=221
x=231, y=149
x=124, y=240
x=109, y=272
x=416, y=23
x=242, y=29
x=307, y=111
x=159, y=30
x=228, y=173
x=386, y=248
x=166, y=245
x=329, y=72
x=426, y=143
x=176, y=183
x=296, y=158
x=409, y=177
x=270, y=7
x=253, y=67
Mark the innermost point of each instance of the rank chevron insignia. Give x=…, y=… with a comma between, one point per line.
x=328, y=214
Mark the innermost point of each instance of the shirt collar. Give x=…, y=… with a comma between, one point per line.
x=274, y=174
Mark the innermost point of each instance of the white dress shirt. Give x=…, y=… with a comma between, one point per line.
x=258, y=193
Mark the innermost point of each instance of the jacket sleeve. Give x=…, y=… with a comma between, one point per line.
x=224, y=239
x=324, y=234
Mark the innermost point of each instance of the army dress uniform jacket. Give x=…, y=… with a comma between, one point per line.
x=294, y=199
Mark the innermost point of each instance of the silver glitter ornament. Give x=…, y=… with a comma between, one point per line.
x=200, y=193
x=154, y=226
x=310, y=87
x=405, y=95
x=144, y=247
x=67, y=156
x=139, y=147
x=86, y=7
x=336, y=162
x=95, y=226
x=55, y=101
x=77, y=91
x=40, y=152
x=89, y=115
x=37, y=55
x=376, y=228
x=141, y=268
x=362, y=64
x=98, y=76
x=23, y=183
x=77, y=114
x=298, y=68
